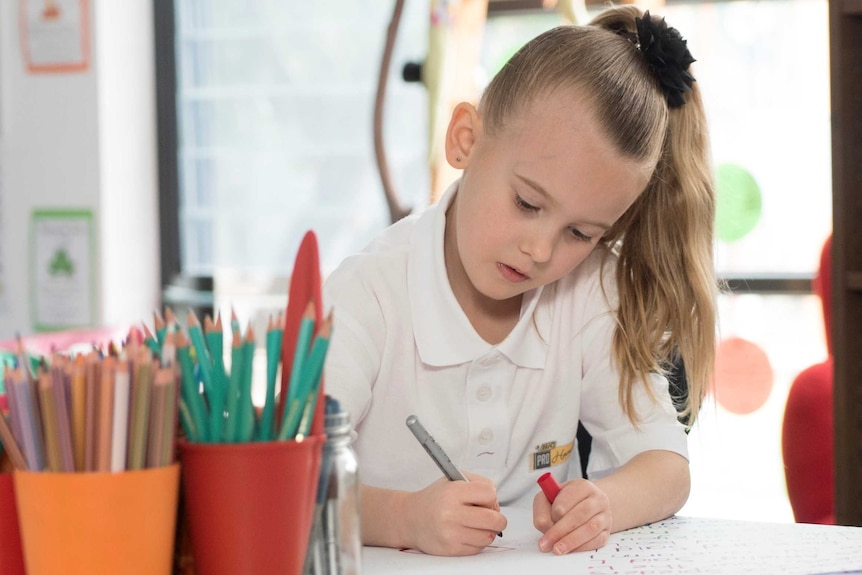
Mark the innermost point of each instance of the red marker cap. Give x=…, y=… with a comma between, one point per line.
x=549, y=486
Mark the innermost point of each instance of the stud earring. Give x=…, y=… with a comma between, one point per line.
x=458, y=159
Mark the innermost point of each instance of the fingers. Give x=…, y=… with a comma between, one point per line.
x=463, y=530
x=455, y=518
x=472, y=542
x=579, y=519
x=482, y=491
x=485, y=519
x=563, y=538
x=542, y=512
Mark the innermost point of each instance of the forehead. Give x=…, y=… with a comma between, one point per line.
x=557, y=139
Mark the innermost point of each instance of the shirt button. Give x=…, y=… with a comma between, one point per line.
x=484, y=393
x=486, y=436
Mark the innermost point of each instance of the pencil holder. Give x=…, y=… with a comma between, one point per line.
x=249, y=506
x=11, y=556
x=89, y=523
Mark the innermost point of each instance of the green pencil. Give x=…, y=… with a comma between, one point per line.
x=245, y=423
x=231, y=432
x=309, y=379
x=191, y=391
x=312, y=374
x=215, y=340
x=273, y=356
x=294, y=388
x=201, y=351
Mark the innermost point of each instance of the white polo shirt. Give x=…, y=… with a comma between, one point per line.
x=402, y=345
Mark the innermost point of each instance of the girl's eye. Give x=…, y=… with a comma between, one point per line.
x=578, y=235
x=519, y=201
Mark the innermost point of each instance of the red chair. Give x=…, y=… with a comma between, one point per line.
x=806, y=437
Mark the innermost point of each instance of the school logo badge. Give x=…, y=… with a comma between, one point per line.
x=550, y=454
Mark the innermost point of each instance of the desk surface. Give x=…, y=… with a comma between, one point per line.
x=676, y=545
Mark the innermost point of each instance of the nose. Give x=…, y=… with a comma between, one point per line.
x=539, y=244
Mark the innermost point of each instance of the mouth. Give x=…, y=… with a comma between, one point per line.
x=511, y=274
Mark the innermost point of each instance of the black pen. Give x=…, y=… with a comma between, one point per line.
x=436, y=452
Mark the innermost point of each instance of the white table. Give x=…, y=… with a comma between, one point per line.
x=676, y=545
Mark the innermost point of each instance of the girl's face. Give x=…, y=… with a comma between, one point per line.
x=535, y=198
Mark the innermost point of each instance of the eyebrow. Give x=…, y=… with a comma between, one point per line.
x=542, y=192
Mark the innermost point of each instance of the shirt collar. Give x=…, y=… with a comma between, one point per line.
x=443, y=334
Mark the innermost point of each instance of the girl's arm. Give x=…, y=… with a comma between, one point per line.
x=653, y=485
x=445, y=518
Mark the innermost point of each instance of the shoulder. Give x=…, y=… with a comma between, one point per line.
x=382, y=261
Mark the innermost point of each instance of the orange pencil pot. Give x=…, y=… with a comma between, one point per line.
x=249, y=506
x=11, y=556
x=84, y=523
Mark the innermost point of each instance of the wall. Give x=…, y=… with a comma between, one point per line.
x=83, y=140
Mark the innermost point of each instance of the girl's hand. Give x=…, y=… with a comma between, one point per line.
x=454, y=517
x=578, y=520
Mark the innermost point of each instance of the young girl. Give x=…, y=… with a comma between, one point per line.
x=551, y=284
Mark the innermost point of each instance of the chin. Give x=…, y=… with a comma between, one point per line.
x=502, y=295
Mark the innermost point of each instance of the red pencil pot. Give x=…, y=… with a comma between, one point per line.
x=11, y=557
x=249, y=506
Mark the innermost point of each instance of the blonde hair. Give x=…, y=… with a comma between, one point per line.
x=664, y=241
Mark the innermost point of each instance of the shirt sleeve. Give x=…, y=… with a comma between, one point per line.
x=353, y=358
x=615, y=438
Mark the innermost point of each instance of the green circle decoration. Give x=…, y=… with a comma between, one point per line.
x=737, y=203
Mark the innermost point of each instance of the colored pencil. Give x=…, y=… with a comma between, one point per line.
x=313, y=370
x=140, y=410
x=245, y=423
x=158, y=425
x=301, y=407
x=105, y=423
x=160, y=327
x=150, y=341
x=31, y=433
x=120, y=427
x=60, y=388
x=234, y=388
x=49, y=420
x=303, y=342
x=273, y=350
x=79, y=402
x=11, y=445
x=92, y=377
x=197, y=416
x=11, y=375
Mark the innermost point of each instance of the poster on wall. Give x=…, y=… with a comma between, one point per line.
x=55, y=35
x=62, y=269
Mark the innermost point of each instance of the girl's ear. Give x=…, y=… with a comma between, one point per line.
x=465, y=127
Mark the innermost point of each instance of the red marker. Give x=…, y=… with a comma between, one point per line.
x=549, y=486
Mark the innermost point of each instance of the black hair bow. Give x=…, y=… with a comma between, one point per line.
x=668, y=57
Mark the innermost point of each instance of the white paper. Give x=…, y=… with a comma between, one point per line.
x=676, y=545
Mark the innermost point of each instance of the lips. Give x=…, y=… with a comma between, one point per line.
x=511, y=274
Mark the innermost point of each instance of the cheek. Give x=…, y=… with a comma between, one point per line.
x=570, y=257
x=487, y=228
